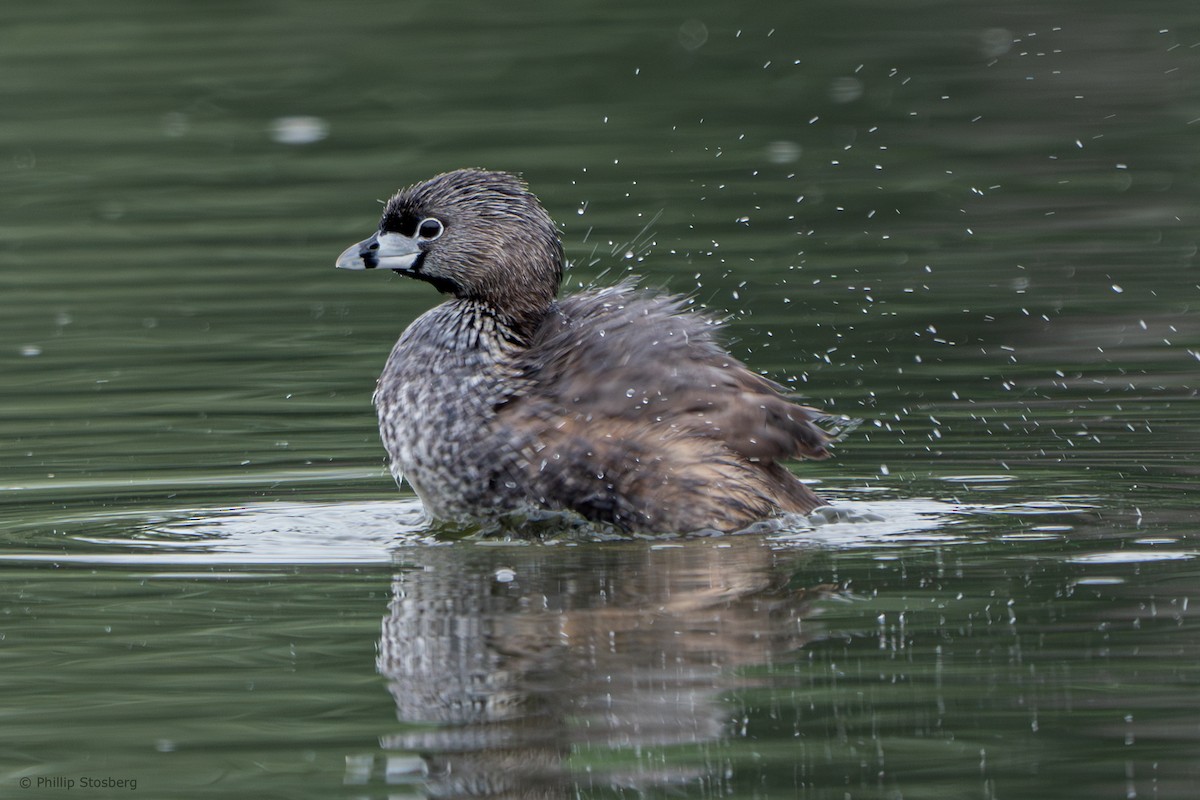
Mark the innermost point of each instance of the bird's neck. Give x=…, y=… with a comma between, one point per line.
x=513, y=318
x=472, y=326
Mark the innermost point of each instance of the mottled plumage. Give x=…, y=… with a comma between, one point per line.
x=615, y=403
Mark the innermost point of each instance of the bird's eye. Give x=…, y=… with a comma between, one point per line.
x=430, y=229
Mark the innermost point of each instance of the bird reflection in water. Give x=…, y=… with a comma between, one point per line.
x=536, y=672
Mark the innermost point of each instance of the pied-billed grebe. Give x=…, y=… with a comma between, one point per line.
x=616, y=403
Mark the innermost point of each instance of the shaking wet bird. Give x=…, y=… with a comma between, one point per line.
x=615, y=403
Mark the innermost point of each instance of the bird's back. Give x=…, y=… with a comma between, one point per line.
x=632, y=413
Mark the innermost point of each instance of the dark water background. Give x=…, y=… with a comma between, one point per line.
x=973, y=225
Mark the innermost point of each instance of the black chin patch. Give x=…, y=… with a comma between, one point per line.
x=443, y=285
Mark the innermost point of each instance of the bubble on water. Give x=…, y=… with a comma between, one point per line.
x=693, y=34
x=24, y=159
x=111, y=210
x=783, y=152
x=299, y=130
x=174, y=124
x=845, y=90
x=31, y=351
x=995, y=42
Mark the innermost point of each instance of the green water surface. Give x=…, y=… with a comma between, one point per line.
x=975, y=227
